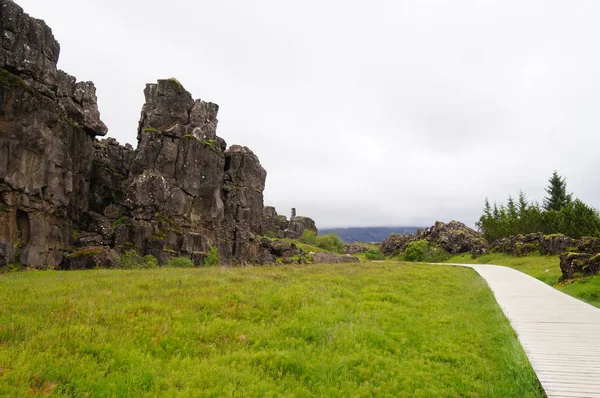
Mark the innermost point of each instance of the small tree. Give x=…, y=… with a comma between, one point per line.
x=557, y=193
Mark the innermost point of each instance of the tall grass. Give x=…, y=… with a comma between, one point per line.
x=383, y=329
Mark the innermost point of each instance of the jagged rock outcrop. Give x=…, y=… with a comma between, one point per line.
x=454, y=237
x=522, y=245
x=547, y=245
x=179, y=192
x=579, y=264
x=48, y=122
x=278, y=225
x=355, y=248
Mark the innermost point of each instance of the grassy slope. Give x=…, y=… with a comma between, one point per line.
x=544, y=268
x=382, y=329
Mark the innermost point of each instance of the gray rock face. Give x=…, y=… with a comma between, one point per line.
x=279, y=226
x=47, y=126
x=179, y=193
x=454, y=237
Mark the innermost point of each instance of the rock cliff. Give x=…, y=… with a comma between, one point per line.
x=179, y=192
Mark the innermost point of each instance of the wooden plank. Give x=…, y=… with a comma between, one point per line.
x=560, y=334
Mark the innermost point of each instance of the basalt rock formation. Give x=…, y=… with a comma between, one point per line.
x=179, y=192
x=278, y=225
x=454, y=237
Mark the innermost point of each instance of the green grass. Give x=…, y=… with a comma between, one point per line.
x=377, y=329
x=586, y=289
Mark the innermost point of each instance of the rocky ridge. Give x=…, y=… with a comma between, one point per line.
x=454, y=237
x=180, y=192
x=278, y=226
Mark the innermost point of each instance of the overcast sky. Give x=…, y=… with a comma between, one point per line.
x=363, y=113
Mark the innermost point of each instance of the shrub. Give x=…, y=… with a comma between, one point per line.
x=374, y=254
x=421, y=250
x=131, y=259
x=180, y=262
x=213, y=258
x=416, y=251
x=330, y=242
x=309, y=237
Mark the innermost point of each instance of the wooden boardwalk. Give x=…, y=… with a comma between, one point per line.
x=560, y=334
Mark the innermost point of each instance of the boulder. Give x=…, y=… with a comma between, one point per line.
x=91, y=257
x=395, y=243
x=355, y=248
x=577, y=264
x=554, y=244
x=331, y=258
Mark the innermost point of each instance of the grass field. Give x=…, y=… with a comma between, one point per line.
x=375, y=329
x=544, y=268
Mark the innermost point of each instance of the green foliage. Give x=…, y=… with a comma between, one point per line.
x=560, y=214
x=131, y=259
x=8, y=80
x=152, y=130
x=557, y=191
x=213, y=258
x=416, y=251
x=180, y=262
x=309, y=237
x=85, y=252
x=172, y=79
x=421, y=250
x=72, y=123
x=121, y=221
x=338, y=330
x=374, y=254
x=209, y=143
x=330, y=242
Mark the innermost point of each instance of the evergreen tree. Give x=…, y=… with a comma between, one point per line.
x=522, y=203
x=557, y=191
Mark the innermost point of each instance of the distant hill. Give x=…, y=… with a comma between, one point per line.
x=367, y=234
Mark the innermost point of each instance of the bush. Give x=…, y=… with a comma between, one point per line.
x=421, y=250
x=416, y=251
x=330, y=242
x=180, y=262
x=374, y=254
x=309, y=237
x=131, y=259
x=213, y=258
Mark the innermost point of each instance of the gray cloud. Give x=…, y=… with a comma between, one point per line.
x=378, y=113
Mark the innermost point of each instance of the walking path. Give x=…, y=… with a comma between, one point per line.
x=560, y=334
